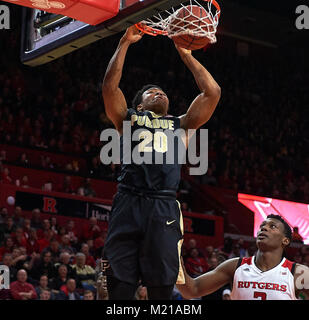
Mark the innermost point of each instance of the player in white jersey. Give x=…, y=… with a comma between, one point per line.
x=265, y=276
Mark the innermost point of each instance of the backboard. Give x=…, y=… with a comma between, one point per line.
x=47, y=36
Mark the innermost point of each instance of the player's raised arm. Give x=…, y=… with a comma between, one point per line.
x=114, y=100
x=208, y=282
x=205, y=103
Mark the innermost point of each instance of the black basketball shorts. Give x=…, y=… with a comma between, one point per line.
x=144, y=240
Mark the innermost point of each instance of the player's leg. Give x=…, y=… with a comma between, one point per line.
x=160, y=250
x=120, y=290
x=121, y=249
x=160, y=293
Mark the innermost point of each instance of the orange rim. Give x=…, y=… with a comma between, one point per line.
x=150, y=31
x=155, y=32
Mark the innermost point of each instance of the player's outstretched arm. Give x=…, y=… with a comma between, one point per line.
x=208, y=282
x=205, y=103
x=301, y=280
x=114, y=100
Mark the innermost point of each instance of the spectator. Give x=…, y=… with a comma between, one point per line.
x=88, y=190
x=5, y=176
x=242, y=250
x=60, y=279
x=296, y=237
x=195, y=264
x=191, y=244
x=43, y=265
x=61, y=232
x=18, y=217
x=32, y=244
x=226, y=294
x=18, y=258
x=27, y=227
x=141, y=293
x=92, y=250
x=44, y=286
x=99, y=242
x=3, y=215
x=25, y=182
x=89, y=258
x=19, y=238
x=85, y=275
x=45, y=228
x=88, y=295
x=54, y=225
x=68, y=292
x=36, y=219
x=21, y=289
x=7, y=247
x=7, y=260
x=66, y=244
x=67, y=186
x=227, y=247
x=72, y=232
x=235, y=251
x=23, y=160
x=7, y=228
x=92, y=231
x=209, y=251
x=45, y=295
x=45, y=242
x=64, y=259
x=3, y=155
x=55, y=250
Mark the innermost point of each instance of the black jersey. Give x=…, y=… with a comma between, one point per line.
x=152, y=132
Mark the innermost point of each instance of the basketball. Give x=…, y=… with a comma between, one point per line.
x=194, y=14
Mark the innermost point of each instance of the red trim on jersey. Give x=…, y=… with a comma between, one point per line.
x=288, y=264
x=246, y=261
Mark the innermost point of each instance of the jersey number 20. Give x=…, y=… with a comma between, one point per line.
x=159, y=139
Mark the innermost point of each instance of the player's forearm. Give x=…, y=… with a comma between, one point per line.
x=203, y=78
x=114, y=70
x=189, y=289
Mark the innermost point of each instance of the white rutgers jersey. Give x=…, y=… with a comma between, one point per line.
x=251, y=283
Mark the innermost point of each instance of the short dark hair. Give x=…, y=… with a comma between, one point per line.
x=287, y=228
x=138, y=97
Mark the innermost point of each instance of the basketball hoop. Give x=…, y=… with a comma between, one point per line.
x=170, y=23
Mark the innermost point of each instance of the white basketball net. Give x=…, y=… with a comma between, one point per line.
x=173, y=25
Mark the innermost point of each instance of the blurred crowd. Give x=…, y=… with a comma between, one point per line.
x=257, y=144
x=257, y=140
x=52, y=261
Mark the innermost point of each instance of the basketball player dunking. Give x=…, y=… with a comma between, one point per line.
x=266, y=276
x=145, y=228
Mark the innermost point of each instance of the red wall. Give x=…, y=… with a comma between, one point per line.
x=203, y=241
x=34, y=156
x=103, y=189
x=237, y=214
